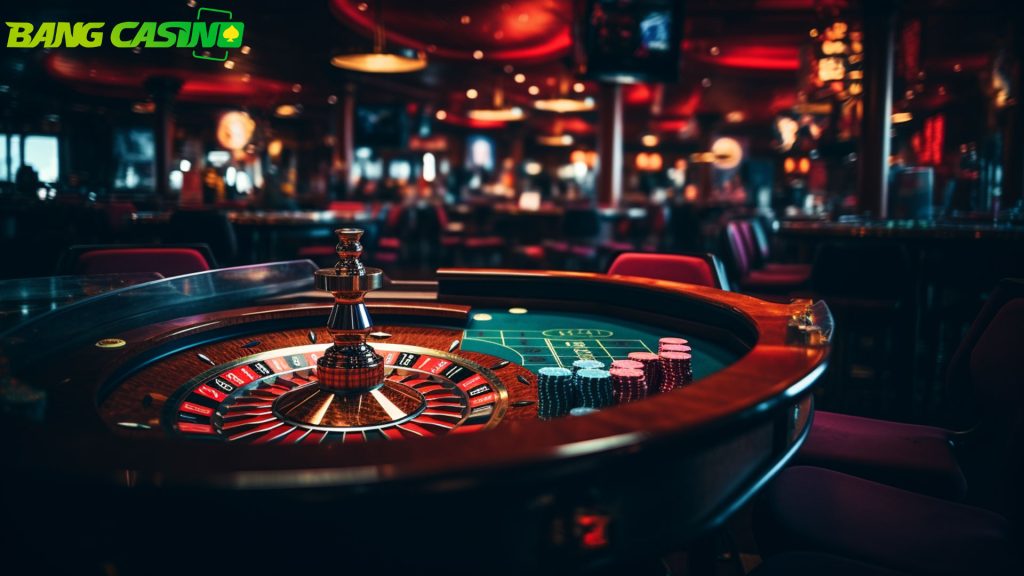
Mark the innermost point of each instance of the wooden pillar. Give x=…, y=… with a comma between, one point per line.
x=703, y=176
x=609, y=146
x=344, y=140
x=163, y=91
x=873, y=160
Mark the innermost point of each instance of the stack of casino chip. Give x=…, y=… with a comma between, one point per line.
x=593, y=388
x=676, y=370
x=662, y=342
x=628, y=384
x=555, y=394
x=675, y=348
x=651, y=367
x=587, y=365
x=629, y=364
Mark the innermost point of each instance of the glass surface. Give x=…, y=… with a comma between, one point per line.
x=135, y=151
x=44, y=336
x=26, y=298
x=41, y=154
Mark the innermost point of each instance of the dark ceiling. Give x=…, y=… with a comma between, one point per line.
x=738, y=55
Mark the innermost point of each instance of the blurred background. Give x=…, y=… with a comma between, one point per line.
x=866, y=152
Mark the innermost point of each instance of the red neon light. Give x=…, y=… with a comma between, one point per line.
x=96, y=76
x=557, y=44
x=928, y=142
x=594, y=528
x=755, y=57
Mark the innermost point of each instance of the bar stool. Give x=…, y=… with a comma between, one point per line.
x=751, y=279
x=758, y=245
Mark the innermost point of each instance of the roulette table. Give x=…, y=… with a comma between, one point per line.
x=277, y=416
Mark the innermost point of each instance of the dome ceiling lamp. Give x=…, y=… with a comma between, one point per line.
x=564, y=103
x=499, y=112
x=557, y=138
x=380, y=60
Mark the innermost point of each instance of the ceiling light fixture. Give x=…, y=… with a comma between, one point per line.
x=380, y=61
x=735, y=117
x=499, y=112
x=563, y=103
x=288, y=110
x=555, y=139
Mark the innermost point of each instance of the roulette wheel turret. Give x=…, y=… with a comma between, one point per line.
x=351, y=392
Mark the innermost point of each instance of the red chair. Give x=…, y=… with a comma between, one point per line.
x=699, y=269
x=756, y=241
x=987, y=368
x=808, y=509
x=346, y=206
x=749, y=278
x=390, y=248
x=125, y=259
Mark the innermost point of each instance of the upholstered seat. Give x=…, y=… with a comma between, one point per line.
x=913, y=457
x=808, y=508
x=117, y=259
x=988, y=367
x=700, y=269
x=738, y=241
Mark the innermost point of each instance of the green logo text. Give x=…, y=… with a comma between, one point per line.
x=126, y=34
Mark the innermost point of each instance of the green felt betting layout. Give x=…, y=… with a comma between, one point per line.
x=542, y=338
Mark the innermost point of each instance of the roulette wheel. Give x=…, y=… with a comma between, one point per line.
x=278, y=416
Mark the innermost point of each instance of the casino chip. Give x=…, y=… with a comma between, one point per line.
x=675, y=348
x=652, y=369
x=587, y=365
x=593, y=388
x=555, y=394
x=628, y=384
x=628, y=364
x=676, y=370
x=662, y=342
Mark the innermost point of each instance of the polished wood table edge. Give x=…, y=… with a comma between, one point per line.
x=722, y=401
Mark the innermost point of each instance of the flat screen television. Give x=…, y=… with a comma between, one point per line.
x=628, y=41
x=381, y=126
x=134, y=157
